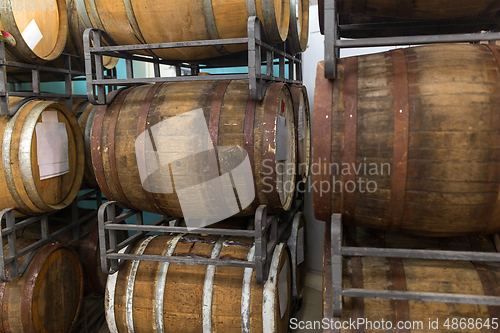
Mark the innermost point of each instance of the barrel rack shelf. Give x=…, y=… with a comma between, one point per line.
x=9, y=263
x=7, y=79
x=268, y=231
x=400, y=34
x=334, y=251
x=258, y=49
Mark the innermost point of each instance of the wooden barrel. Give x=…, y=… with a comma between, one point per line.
x=407, y=141
x=87, y=247
x=40, y=34
x=146, y=22
x=418, y=275
x=50, y=289
x=89, y=254
x=298, y=251
x=419, y=11
x=151, y=296
x=77, y=25
x=303, y=123
x=21, y=173
x=121, y=137
x=298, y=33
x=85, y=113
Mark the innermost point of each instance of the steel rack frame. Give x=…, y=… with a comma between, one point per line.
x=68, y=73
x=268, y=231
x=334, y=32
x=258, y=50
x=9, y=262
x=334, y=251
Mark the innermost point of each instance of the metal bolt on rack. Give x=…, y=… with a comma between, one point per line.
x=9, y=262
x=68, y=73
x=267, y=232
x=258, y=49
x=334, y=32
x=334, y=251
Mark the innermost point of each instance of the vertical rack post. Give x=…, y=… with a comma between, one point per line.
x=331, y=36
x=4, y=87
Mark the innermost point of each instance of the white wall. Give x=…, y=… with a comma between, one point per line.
x=313, y=55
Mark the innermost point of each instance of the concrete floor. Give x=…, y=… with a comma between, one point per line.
x=311, y=305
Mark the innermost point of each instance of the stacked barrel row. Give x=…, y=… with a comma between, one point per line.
x=43, y=30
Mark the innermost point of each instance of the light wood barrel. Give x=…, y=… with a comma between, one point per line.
x=418, y=275
x=77, y=25
x=51, y=287
x=298, y=252
x=298, y=33
x=146, y=22
x=417, y=131
x=303, y=123
x=119, y=141
x=21, y=180
x=40, y=34
x=151, y=296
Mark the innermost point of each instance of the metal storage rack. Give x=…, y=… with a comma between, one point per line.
x=268, y=231
x=333, y=249
x=334, y=32
x=67, y=74
x=9, y=262
x=258, y=50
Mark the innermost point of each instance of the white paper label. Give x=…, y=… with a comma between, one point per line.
x=32, y=35
x=52, y=146
x=283, y=288
x=301, y=123
x=300, y=246
x=281, y=139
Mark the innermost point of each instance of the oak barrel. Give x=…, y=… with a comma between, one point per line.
x=151, y=296
x=147, y=22
x=40, y=34
x=418, y=275
x=85, y=113
x=77, y=23
x=303, y=123
x=86, y=247
x=192, y=125
x=408, y=141
x=420, y=17
x=47, y=297
x=297, y=242
x=21, y=172
x=298, y=33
